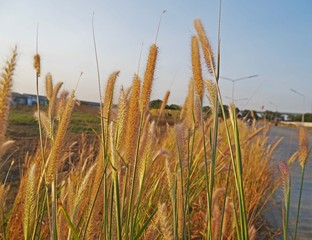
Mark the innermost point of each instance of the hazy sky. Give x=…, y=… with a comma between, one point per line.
x=270, y=38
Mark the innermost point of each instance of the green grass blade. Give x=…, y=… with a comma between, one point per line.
x=71, y=225
x=146, y=224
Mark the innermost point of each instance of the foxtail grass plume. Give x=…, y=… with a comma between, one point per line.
x=165, y=101
x=59, y=139
x=37, y=64
x=285, y=177
x=83, y=189
x=49, y=86
x=182, y=145
x=212, y=95
x=6, y=80
x=108, y=98
x=303, y=146
x=163, y=105
x=197, y=109
x=30, y=202
x=180, y=209
x=45, y=122
x=206, y=47
x=95, y=196
x=133, y=119
x=228, y=218
x=164, y=220
x=148, y=78
x=196, y=66
x=3, y=197
x=53, y=101
x=122, y=117
x=187, y=112
x=5, y=146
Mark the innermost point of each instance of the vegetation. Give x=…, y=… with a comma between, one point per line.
x=203, y=177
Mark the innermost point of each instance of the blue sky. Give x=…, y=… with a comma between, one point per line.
x=270, y=38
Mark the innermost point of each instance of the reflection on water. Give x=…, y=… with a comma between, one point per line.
x=286, y=148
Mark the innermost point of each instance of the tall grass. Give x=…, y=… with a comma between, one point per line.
x=141, y=179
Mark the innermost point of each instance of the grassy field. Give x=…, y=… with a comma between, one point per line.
x=131, y=173
x=85, y=119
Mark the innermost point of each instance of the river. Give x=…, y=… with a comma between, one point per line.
x=286, y=148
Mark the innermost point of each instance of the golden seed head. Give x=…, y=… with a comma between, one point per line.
x=206, y=47
x=212, y=95
x=109, y=93
x=37, y=64
x=59, y=139
x=164, y=221
x=188, y=106
x=285, y=178
x=6, y=80
x=53, y=100
x=122, y=116
x=49, y=86
x=303, y=146
x=196, y=66
x=148, y=77
x=133, y=119
x=30, y=200
x=165, y=101
x=182, y=143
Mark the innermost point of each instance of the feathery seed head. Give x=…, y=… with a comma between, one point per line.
x=212, y=95
x=303, y=146
x=52, y=104
x=49, y=86
x=61, y=103
x=165, y=101
x=6, y=80
x=37, y=64
x=182, y=144
x=133, y=118
x=121, y=118
x=30, y=201
x=285, y=178
x=164, y=221
x=196, y=65
x=5, y=146
x=45, y=121
x=187, y=109
x=148, y=78
x=206, y=47
x=190, y=105
x=163, y=105
x=59, y=139
x=109, y=93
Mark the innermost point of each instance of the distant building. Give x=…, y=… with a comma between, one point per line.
x=18, y=99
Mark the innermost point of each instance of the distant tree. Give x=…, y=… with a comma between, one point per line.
x=206, y=109
x=173, y=107
x=308, y=117
x=269, y=115
x=155, y=104
x=226, y=111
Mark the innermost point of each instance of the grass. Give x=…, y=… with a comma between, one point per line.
x=85, y=119
x=138, y=177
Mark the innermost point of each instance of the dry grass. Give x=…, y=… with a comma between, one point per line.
x=140, y=180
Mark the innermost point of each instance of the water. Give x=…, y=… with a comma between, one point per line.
x=286, y=148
